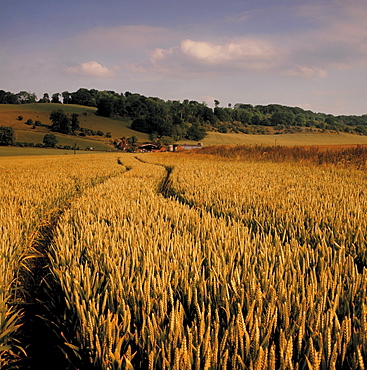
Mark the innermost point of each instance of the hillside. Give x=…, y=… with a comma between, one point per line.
x=120, y=127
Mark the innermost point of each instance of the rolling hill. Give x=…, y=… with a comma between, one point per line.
x=88, y=119
x=119, y=127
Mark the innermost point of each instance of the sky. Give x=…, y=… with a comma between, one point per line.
x=306, y=53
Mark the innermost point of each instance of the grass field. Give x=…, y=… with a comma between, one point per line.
x=41, y=112
x=81, y=142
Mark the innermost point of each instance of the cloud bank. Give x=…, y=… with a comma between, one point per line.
x=192, y=57
x=334, y=38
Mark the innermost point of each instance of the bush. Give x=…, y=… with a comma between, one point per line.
x=24, y=145
x=223, y=128
x=195, y=132
x=50, y=140
x=361, y=130
x=7, y=135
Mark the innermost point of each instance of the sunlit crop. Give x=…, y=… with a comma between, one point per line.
x=31, y=190
x=175, y=261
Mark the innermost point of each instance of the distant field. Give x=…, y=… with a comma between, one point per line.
x=216, y=138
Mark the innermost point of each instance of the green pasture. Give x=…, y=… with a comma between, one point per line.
x=81, y=142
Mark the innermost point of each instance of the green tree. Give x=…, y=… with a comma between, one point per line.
x=195, y=132
x=255, y=119
x=60, y=122
x=132, y=140
x=25, y=97
x=360, y=129
x=119, y=105
x=7, y=135
x=209, y=116
x=50, y=140
x=45, y=99
x=105, y=106
x=6, y=97
x=283, y=117
x=300, y=120
x=178, y=132
x=84, y=97
x=75, y=122
x=166, y=140
x=223, y=114
x=66, y=99
x=55, y=98
x=142, y=125
x=223, y=128
x=153, y=137
x=241, y=115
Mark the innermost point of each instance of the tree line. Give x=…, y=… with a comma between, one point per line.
x=191, y=119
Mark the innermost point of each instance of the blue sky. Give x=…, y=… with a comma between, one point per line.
x=311, y=54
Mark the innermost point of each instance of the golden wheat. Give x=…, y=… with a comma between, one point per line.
x=212, y=264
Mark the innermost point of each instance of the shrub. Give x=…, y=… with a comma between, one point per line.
x=7, y=135
x=50, y=140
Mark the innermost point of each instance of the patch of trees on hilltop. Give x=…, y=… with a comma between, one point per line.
x=191, y=119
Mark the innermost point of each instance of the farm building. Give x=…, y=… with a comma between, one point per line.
x=180, y=147
x=151, y=147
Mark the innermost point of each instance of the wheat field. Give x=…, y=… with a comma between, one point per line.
x=176, y=261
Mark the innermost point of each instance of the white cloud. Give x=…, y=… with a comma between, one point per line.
x=246, y=51
x=92, y=68
x=203, y=57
